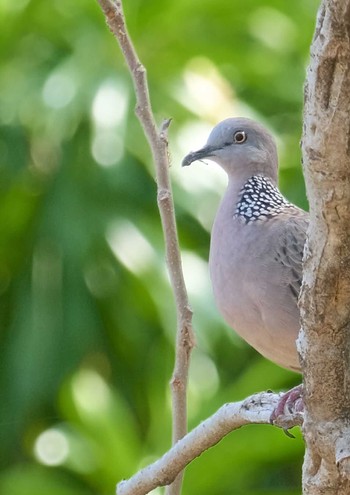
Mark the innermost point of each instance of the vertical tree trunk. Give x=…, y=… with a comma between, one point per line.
x=324, y=342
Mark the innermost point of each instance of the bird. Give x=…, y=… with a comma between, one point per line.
x=257, y=242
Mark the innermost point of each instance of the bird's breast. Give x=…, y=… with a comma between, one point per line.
x=250, y=290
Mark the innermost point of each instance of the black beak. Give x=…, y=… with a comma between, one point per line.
x=205, y=152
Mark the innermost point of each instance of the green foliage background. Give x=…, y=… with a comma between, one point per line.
x=86, y=313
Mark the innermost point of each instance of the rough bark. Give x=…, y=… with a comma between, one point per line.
x=324, y=342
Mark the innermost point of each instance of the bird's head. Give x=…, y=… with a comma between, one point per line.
x=241, y=147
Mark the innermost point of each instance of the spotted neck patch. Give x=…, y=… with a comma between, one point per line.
x=259, y=199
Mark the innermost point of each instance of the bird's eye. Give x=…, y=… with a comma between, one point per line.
x=239, y=137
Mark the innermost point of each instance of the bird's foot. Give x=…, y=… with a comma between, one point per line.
x=290, y=403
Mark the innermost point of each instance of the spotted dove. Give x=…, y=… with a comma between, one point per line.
x=257, y=242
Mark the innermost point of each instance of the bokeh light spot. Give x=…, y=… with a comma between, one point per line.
x=51, y=447
x=196, y=274
x=59, y=90
x=107, y=148
x=273, y=28
x=204, y=378
x=130, y=246
x=91, y=392
x=110, y=105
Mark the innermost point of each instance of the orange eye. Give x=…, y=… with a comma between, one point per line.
x=239, y=137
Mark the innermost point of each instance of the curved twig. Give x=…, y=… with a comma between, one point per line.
x=256, y=409
x=157, y=139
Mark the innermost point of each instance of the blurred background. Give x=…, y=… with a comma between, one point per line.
x=86, y=313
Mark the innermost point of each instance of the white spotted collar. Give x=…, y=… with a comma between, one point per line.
x=260, y=199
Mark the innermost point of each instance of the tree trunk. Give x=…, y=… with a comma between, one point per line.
x=324, y=341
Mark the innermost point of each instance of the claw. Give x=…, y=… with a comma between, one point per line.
x=288, y=433
x=291, y=402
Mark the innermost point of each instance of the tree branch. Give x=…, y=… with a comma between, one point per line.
x=157, y=140
x=256, y=409
x=324, y=343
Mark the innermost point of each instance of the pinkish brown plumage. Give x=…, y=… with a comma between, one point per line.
x=257, y=242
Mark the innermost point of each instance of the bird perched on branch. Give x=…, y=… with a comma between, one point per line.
x=257, y=242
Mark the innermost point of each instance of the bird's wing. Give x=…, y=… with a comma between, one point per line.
x=290, y=249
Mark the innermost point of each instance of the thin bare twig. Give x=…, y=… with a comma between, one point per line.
x=157, y=139
x=256, y=409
